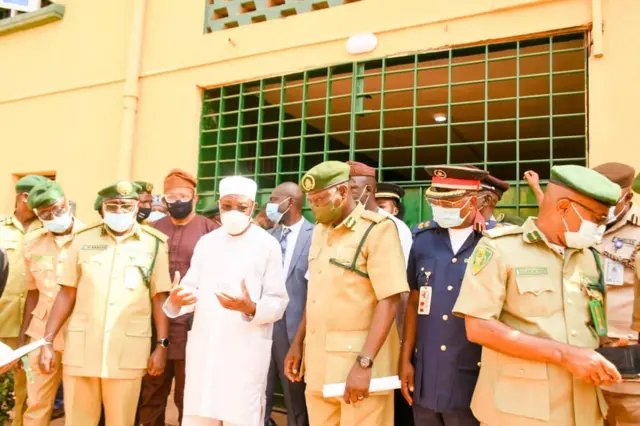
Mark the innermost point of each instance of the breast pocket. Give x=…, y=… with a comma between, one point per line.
x=536, y=296
x=425, y=272
x=43, y=272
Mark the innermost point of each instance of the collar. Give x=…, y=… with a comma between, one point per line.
x=296, y=227
x=352, y=220
x=135, y=232
x=532, y=234
x=35, y=224
x=631, y=216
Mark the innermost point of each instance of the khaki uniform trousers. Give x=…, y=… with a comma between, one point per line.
x=376, y=410
x=84, y=397
x=204, y=421
x=41, y=394
x=624, y=410
x=19, y=386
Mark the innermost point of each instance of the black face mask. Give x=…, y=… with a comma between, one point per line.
x=180, y=209
x=143, y=213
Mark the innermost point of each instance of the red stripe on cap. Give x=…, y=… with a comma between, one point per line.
x=456, y=183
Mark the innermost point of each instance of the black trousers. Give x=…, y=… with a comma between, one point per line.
x=403, y=415
x=426, y=417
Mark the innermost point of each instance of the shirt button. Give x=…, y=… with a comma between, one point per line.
x=445, y=317
x=569, y=301
x=450, y=288
x=349, y=347
x=454, y=260
x=443, y=348
x=479, y=364
x=574, y=333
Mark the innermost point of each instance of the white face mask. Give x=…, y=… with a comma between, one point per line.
x=588, y=235
x=234, y=222
x=156, y=215
x=59, y=224
x=449, y=217
x=120, y=222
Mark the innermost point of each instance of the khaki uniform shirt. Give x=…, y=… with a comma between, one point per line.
x=617, y=252
x=341, y=302
x=44, y=255
x=518, y=278
x=109, y=331
x=15, y=294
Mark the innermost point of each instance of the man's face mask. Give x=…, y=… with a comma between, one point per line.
x=329, y=212
x=449, y=217
x=272, y=210
x=589, y=233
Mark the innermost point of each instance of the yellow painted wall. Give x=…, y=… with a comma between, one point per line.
x=61, y=92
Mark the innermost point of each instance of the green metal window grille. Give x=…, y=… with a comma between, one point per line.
x=225, y=14
x=505, y=107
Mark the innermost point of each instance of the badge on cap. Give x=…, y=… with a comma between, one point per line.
x=149, y=187
x=308, y=183
x=124, y=188
x=440, y=173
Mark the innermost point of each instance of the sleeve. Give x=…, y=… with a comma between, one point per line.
x=70, y=271
x=411, y=270
x=4, y=270
x=274, y=299
x=160, y=281
x=484, y=284
x=189, y=282
x=385, y=261
x=29, y=279
x=635, y=323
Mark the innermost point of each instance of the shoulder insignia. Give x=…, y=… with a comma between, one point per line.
x=373, y=216
x=501, y=231
x=481, y=256
x=634, y=219
x=36, y=233
x=500, y=217
x=154, y=233
x=423, y=226
x=88, y=227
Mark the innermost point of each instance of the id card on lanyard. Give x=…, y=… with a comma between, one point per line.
x=424, y=301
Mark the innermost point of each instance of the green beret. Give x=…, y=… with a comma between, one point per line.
x=97, y=205
x=123, y=190
x=325, y=175
x=147, y=188
x=587, y=182
x=44, y=195
x=27, y=183
x=636, y=184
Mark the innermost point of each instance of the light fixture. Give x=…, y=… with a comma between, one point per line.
x=361, y=43
x=440, y=117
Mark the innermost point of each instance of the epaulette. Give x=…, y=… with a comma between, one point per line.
x=500, y=217
x=373, y=216
x=6, y=220
x=36, y=233
x=634, y=220
x=88, y=227
x=155, y=233
x=423, y=226
x=502, y=231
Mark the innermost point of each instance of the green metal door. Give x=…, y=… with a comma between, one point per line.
x=506, y=107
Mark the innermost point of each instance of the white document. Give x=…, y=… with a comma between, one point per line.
x=379, y=384
x=8, y=355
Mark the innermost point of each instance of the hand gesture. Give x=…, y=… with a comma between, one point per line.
x=357, y=388
x=179, y=295
x=532, y=178
x=47, y=359
x=8, y=367
x=292, y=363
x=407, y=376
x=591, y=367
x=242, y=304
x=157, y=361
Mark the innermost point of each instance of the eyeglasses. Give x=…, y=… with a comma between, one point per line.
x=51, y=214
x=172, y=198
x=461, y=203
x=119, y=208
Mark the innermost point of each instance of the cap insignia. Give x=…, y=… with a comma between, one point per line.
x=308, y=183
x=124, y=188
x=440, y=173
x=149, y=187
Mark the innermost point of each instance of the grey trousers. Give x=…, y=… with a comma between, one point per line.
x=293, y=392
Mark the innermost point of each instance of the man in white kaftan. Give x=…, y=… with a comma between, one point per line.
x=236, y=287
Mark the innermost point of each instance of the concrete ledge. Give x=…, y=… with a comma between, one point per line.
x=25, y=21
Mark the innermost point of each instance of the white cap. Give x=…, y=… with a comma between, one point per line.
x=238, y=185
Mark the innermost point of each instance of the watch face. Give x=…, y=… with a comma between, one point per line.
x=365, y=362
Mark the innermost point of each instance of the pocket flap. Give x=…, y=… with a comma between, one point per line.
x=534, y=284
x=40, y=311
x=345, y=341
x=139, y=327
x=522, y=368
x=77, y=322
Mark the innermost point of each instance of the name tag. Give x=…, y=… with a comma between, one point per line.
x=613, y=272
x=94, y=247
x=424, y=302
x=521, y=272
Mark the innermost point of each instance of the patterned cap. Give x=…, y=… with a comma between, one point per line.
x=587, y=182
x=45, y=195
x=325, y=175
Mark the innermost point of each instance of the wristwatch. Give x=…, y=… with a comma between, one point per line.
x=364, y=361
x=163, y=342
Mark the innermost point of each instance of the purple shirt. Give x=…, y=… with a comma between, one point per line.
x=182, y=241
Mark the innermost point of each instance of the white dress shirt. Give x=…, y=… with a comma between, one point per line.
x=458, y=237
x=404, y=232
x=292, y=237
